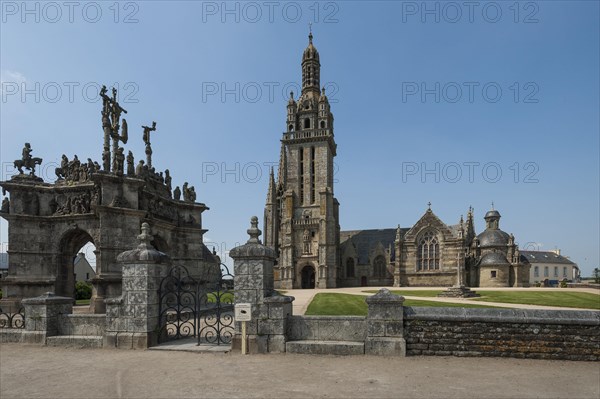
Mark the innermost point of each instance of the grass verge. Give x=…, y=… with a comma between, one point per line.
x=331, y=304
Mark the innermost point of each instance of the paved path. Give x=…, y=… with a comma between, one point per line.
x=46, y=372
x=304, y=297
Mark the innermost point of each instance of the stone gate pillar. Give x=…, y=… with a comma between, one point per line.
x=41, y=316
x=132, y=320
x=385, y=325
x=253, y=282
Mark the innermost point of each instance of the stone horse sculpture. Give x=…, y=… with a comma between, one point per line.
x=27, y=162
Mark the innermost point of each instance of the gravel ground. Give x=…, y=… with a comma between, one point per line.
x=43, y=372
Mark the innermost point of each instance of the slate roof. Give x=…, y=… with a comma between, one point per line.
x=546, y=257
x=366, y=240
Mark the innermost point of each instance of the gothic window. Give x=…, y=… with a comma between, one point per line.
x=322, y=124
x=350, y=267
x=379, y=266
x=307, y=123
x=428, y=254
x=291, y=128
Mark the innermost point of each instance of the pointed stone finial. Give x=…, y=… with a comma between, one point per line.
x=323, y=90
x=292, y=95
x=310, y=35
x=145, y=237
x=254, y=231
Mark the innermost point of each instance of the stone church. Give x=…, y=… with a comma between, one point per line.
x=301, y=220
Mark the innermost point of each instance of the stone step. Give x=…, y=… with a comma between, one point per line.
x=75, y=341
x=326, y=347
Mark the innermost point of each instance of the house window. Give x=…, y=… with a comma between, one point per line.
x=350, y=267
x=87, y=276
x=536, y=271
x=546, y=271
x=555, y=271
x=379, y=266
x=565, y=271
x=428, y=255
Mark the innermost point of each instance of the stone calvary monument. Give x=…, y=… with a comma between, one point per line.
x=48, y=223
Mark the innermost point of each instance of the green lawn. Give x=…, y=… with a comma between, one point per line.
x=325, y=304
x=567, y=299
x=419, y=293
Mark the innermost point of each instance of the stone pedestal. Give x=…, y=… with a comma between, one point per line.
x=42, y=316
x=385, y=329
x=132, y=320
x=253, y=282
x=458, y=292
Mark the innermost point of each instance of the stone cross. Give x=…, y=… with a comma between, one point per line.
x=146, y=138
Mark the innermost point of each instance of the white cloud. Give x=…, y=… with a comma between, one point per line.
x=11, y=77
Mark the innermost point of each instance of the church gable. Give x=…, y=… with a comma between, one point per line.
x=429, y=221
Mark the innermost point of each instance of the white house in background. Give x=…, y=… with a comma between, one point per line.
x=550, y=265
x=82, y=269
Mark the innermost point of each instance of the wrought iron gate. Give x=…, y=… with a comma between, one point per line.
x=190, y=307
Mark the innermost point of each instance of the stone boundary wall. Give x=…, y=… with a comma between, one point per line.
x=520, y=333
x=82, y=324
x=327, y=328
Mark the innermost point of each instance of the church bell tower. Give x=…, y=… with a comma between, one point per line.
x=301, y=212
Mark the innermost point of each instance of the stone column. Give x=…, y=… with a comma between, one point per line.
x=385, y=325
x=253, y=282
x=41, y=316
x=133, y=319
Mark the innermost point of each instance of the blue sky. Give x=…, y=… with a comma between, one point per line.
x=415, y=87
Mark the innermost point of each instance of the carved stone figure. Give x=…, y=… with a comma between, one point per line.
x=5, y=205
x=111, y=120
x=177, y=194
x=27, y=161
x=186, y=192
x=192, y=194
x=168, y=180
x=146, y=138
x=119, y=161
x=139, y=169
x=130, y=167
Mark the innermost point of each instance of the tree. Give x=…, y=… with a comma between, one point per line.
x=83, y=290
x=596, y=275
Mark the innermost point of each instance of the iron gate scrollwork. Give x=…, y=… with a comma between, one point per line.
x=201, y=308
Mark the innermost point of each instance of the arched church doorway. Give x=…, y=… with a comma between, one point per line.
x=308, y=277
x=76, y=251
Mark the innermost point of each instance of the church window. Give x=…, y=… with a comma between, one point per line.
x=350, y=267
x=379, y=266
x=307, y=123
x=291, y=128
x=536, y=271
x=493, y=274
x=322, y=124
x=428, y=255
